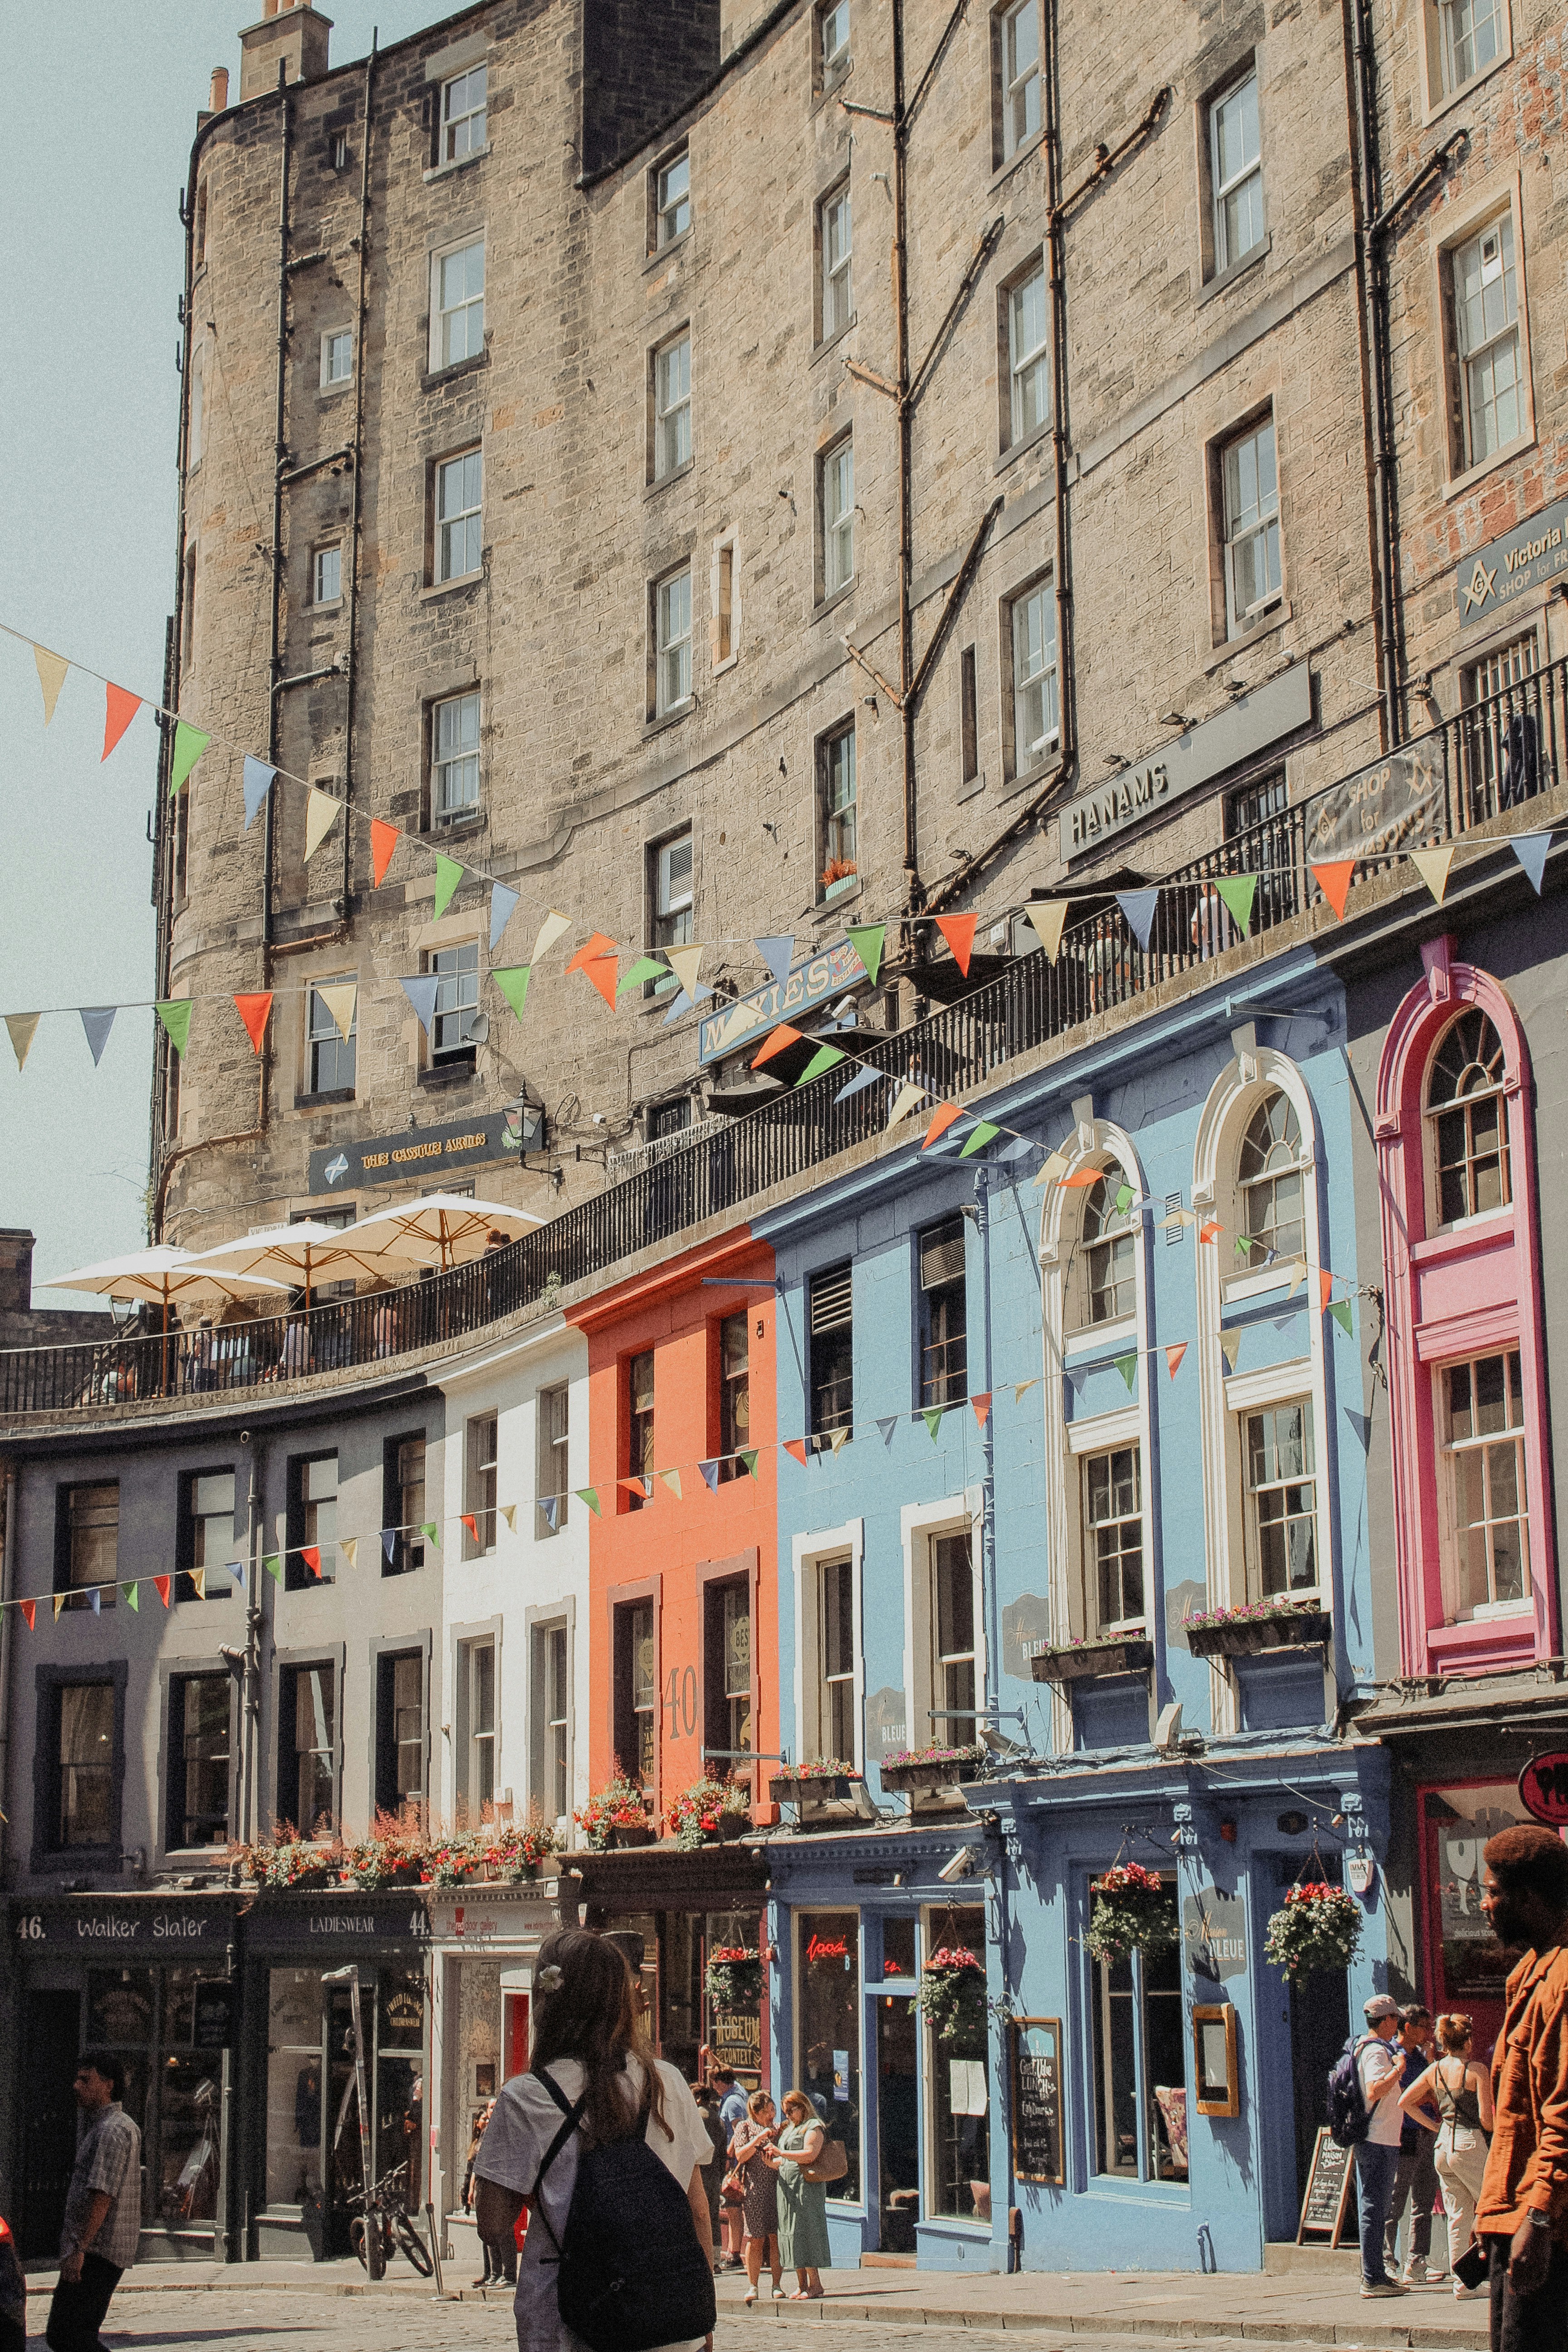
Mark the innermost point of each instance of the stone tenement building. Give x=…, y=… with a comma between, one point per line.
x=571, y=385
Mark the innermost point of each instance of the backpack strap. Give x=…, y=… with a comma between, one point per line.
x=573, y=2115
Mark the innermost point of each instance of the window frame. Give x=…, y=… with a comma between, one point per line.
x=442, y=522
x=838, y=1686
x=1450, y=233
x=1431, y=1114
x=837, y=822
x=50, y=1766
x=666, y=411
x=176, y=1813
x=1221, y=189
x=1105, y=1245
x=456, y=1000
x=672, y=911
x=552, y=1446
x=1253, y=1521
x=1451, y=1451
x=1232, y=532
x=659, y=205
x=1016, y=434
x=834, y=278
x=388, y=1740
x=1009, y=142
x=304, y=1521
x=941, y=1384
x=442, y=815
x=1466, y=359
x=481, y=1459
x=641, y=1421
x=1122, y=1625
x=290, y=1668
x=330, y=1036
x=838, y=1353
x=331, y=554
x=195, y=424
x=79, y=1591
x=1263, y=1241
x=476, y=1745
x=831, y=67
x=836, y=527
x=627, y=1604
x=1099, y=1990
x=1439, y=90
x=446, y=122
x=408, y=1544
x=724, y=586
x=1046, y=678
x=438, y=361
x=662, y=646
x=551, y=1744
x=729, y=1388
x=330, y=336
x=192, y=1533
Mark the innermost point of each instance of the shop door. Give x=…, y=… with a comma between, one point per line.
x=48, y=2109
x=1319, y=2028
x=897, y=2120
x=342, y=2172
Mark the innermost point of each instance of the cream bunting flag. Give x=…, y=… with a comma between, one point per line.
x=1433, y=865
x=840, y=1438
x=22, y=1026
x=321, y=815
x=685, y=963
x=1297, y=1271
x=338, y=997
x=1021, y=1388
x=1055, y=1169
x=550, y=930
x=1230, y=1348
x=909, y=1094
x=1049, y=919
x=509, y=1513
x=672, y=1480
x=52, y=668
x=349, y=1546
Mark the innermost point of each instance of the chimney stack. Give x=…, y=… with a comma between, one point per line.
x=217, y=97
x=291, y=31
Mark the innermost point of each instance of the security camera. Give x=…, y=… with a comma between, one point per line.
x=233, y=1659
x=962, y=1864
x=1168, y=1729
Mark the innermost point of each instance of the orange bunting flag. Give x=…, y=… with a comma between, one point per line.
x=782, y=1037
x=471, y=1523
x=161, y=1583
x=384, y=840
x=600, y=944
x=941, y=1120
x=982, y=1408
x=253, y=1011
x=796, y=1445
x=121, y=709
x=1325, y=1288
x=312, y=1556
x=1174, y=1358
x=1207, y=1232
x=30, y=1610
x=1334, y=882
x=602, y=971
x=1082, y=1178
x=958, y=930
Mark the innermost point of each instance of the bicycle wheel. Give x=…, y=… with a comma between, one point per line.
x=413, y=2244
x=357, y=2239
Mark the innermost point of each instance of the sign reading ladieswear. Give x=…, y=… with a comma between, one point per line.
x=1511, y=566
x=820, y=976
x=1253, y=721
x=427, y=1154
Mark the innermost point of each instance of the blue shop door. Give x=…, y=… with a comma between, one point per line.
x=897, y=2120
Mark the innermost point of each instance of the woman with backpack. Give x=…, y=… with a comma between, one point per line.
x=803, y=2204
x=1462, y=2094
x=604, y=2145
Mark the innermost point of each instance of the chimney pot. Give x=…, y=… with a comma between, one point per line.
x=269, y=8
x=218, y=97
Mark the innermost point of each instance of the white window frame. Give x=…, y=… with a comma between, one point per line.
x=318, y=1510
x=1029, y=364
x=1107, y=1453
x=1451, y=1450
x=1441, y=44
x=335, y=336
x=457, y=133
x=836, y=261
x=835, y=509
x=552, y=1457
x=324, y=562
x=459, y=517
x=920, y=1525
x=1249, y=170
x=461, y=755
x=671, y=642
x=837, y=820
x=1044, y=676
x=551, y=1744
x=1252, y=1521
x=481, y=1454
x=457, y=1002
x=477, y=1746
x=441, y=356
x=1508, y=335
x=216, y=1515
x=831, y=63
x=324, y=1031
x=1020, y=92
x=809, y=1555
x=669, y=228
x=671, y=399
x=1242, y=526
x=673, y=901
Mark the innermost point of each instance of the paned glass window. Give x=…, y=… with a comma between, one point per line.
x=459, y=305
x=92, y=1543
x=1282, y=1494
x=837, y=244
x=332, y=1054
x=315, y=1752
x=736, y=1653
x=1036, y=711
x=1236, y=163
x=944, y=1320
x=1252, y=573
x=673, y=895
x=1114, y=1515
x=639, y=1422
x=457, y=972
x=673, y=198
x=552, y=1782
x=1485, y=315
x=734, y=1394
x=553, y=1488
x=956, y=2070
x=455, y=758
x=671, y=405
x=839, y=811
x=210, y=1537
x=86, y=1764
x=1484, y=1440
x=1140, y=2062
x=199, y=1759
x=337, y=357
x=835, y=1694
x=1028, y=360
x=411, y=1514
x=672, y=641
x=319, y=1501
x=836, y=474
x=1112, y=1259
x=644, y=1692
x=1020, y=75
x=832, y=1346
x=833, y=37
x=479, y=1484
x=1471, y=33
x=479, y=1749
x=459, y=524
x=328, y=583
x=1273, y=1188
x=1467, y=1118
x=463, y=115
x=953, y=1660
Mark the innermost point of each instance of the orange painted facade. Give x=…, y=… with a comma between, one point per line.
x=666, y=1575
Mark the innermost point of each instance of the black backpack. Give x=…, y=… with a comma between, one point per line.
x=631, y=2274
x=1349, y=2122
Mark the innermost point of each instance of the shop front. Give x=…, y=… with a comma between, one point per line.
x=675, y=1912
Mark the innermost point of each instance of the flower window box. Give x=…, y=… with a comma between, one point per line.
x=923, y=1771
x=1263, y=1625
x=1072, y=1662
x=812, y=1784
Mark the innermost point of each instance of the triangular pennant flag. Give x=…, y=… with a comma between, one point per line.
x=253, y=1011
x=175, y=1015
x=59, y=1605
x=982, y=1408
x=775, y=1041
x=1055, y=1169
x=600, y=971
x=859, y=1082
x=590, y=1495
x=550, y=930
x=21, y=1026
x=257, y=779
x=52, y=668
x=431, y=1533
x=320, y=815
x=1176, y=1220
x=449, y=874
x=349, y=1546
x=777, y=953
x=942, y=1118
x=1080, y=1179
x=132, y=1597
x=685, y=963
x=1123, y=1199
x=709, y=1473
x=95, y=1601
x=826, y=1057
x=1531, y=849
x=840, y=1438
x=1021, y=1388
x=748, y=1456
x=471, y=1521
x=1048, y=917
x=1433, y=865
x=680, y=1002
x=199, y=1580
x=1230, y=1348
x=512, y=983
x=420, y=989
x=550, y=1507
x=1296, y=1270
x=1138, y=909
x=1207, y=1232
x=1340, y=1308
x=672, y=1480
x=1243, y=1247
x=1238, y=891
x=1334, y=881
x=1325, y=1289
x=645, y=968
x=389, y=1544
x=509, y=1513
x=867, y=939
x=384, y=840
x=932, y=1415
x=640, y=1486
x=30, y=1611
x=1174, y=1358
x=339, y=996
x=982, y=1135
x=312, y=1556
x=958, y=930
x=796, y=1447
x=1128, y=1367
x=885, y=1428
x=189, y=745
x=98, y=1020
x=908, y=1093
x=1361, y=1426
x=237, y=1570
x=503, y=906
x=119, y=709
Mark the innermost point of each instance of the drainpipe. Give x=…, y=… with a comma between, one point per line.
x=906, y=469
x=250, y=1688
x=1055, y=276
x=993, y=1699
x=355, y=529
x=281, y=453
x=12, y=1497
x=1375, y=295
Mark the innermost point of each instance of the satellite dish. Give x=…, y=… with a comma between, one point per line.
x=476, y=1028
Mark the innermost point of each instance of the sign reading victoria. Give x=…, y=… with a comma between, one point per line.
x=1510, y=567
x=427, y=1154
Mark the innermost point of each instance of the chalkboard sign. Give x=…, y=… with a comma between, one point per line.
x=1037, y=2098
x=1328, y=2192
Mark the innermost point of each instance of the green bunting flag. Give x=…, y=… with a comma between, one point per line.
x=431, y=1533
x=980, y=1139
x=931, y=1416
x=175, y=1015
x=590, y=1495
x=748, y=1456
x=1340, y=1308
x=513, y=985
x=1123, y=1199
x=645, y=968
x=867, y=939
x=449, y=874
x=1128, y=1368
x=274, y=1567
x=132, y=1597
x=826, y=1057
x=189, y=745
x=1238, y=890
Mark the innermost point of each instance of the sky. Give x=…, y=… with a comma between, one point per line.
x=91, y=245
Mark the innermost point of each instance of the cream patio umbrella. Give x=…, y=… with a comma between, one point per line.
x=162, y=1277
x=289, y=1255
x=440, y=1229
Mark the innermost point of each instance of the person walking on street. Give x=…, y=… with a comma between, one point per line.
x=718, y=2162
x=753, y=2140
x=500, y=2258
x=1415, y=2180
x=1382, y=2076
x=733, y=2114
x=1463, y=2097
x=803, y=2204
x=1523, y=2211
x=103, y=2208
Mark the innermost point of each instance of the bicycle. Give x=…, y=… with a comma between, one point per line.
x=398, y=2231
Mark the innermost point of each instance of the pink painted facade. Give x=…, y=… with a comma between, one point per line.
x=1457, y=1292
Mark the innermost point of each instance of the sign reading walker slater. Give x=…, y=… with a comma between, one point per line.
x=427, y=1153
x=1270, y=712
x=1511, y=566
x=820, y=976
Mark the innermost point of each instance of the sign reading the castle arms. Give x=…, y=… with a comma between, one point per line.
x=427, y=1154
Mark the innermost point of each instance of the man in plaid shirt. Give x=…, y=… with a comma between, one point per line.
x=103, y=2208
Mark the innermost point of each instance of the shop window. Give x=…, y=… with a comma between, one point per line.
x=403, y=1515
x=1281, y=1497
x=952, y=1639
x=636, y=1695
x=475, y=1731
x=727, y=1673
x=1482, y=1411
x=312, y=1521
x=180, y=2148
x=1467, y=1122
x=86, y=1812
x=960, y=2097
x=943, y=1316
x=205, y=1538
x=832, y=1347
x=480, y=1485
x=552, y=1470
x=294, y=2102
x=1140, y=2064
x=1110, y=1257
x=400, y=1732
x=827, y=2028
x=307, y=1749
x=639, y=1425
x=1113, y=1520
x=1272, y=1184
x=87, y=1543
x=550, y=1776
x=199, y=1758
x=734, y=1394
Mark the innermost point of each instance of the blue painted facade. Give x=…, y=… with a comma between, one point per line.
x=1250, y=1784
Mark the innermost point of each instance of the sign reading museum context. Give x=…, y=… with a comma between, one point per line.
x=1511, y=566
x=427, y=1153
x=1253, y=721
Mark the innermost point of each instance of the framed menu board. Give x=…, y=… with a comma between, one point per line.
x=1037, y=2153
x=1328, y=2192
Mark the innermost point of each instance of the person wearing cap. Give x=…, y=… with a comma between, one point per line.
x=1522, y=2212
x=1382, y=2076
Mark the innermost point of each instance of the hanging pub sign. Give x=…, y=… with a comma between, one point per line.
x=1213, y=1930
x=426, y=1154
x=214, y=2016
x=1396, y=801
x=736, y=2040
x=1543, y=1787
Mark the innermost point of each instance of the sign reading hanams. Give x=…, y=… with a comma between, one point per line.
x=1512, y=565
x=426, y=1152
x=1266, y=715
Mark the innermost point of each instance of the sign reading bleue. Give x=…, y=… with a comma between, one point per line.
x=426, y=1152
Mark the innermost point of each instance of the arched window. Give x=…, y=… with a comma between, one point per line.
x=1466, y=1120
x=1113, y=1257
x=1274, y=1207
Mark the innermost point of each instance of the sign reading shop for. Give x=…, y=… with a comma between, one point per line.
x=1510, y=566
x=427, y=1152
x=1253, y=721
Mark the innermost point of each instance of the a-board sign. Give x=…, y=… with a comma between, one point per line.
x=1037, y=2098
x=1328, y=2192
x=1543, y=1787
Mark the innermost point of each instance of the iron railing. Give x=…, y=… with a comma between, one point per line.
x=1494, y=756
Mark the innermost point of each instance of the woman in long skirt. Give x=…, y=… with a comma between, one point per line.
x=749, y=2149
x=803, y=2204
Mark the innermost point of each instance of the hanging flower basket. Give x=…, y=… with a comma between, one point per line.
x=1131, y=1910
x=1260, y=1625
x=516, y=1853
x=1072, y=1662
x=735, y=1977
x=1318, y=1927
x=617, y=1816
x=926, y=1768
x=797, y=1784
x=708, y=1813
x=951, y=1996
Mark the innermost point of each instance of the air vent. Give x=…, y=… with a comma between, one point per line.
x=831, y=1307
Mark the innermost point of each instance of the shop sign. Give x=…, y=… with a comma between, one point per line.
x=886, y=1724
x=827, y=974
x=1543, y=1787
x=152, y=1931
x=322, y=1922
x=1522, y=558
x=1380, y=808
x=1214, y=1928
x=1036, y=2115
x=215, y=2016
x=736, y=2041
x=428, y=1153
x=1253, y=721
